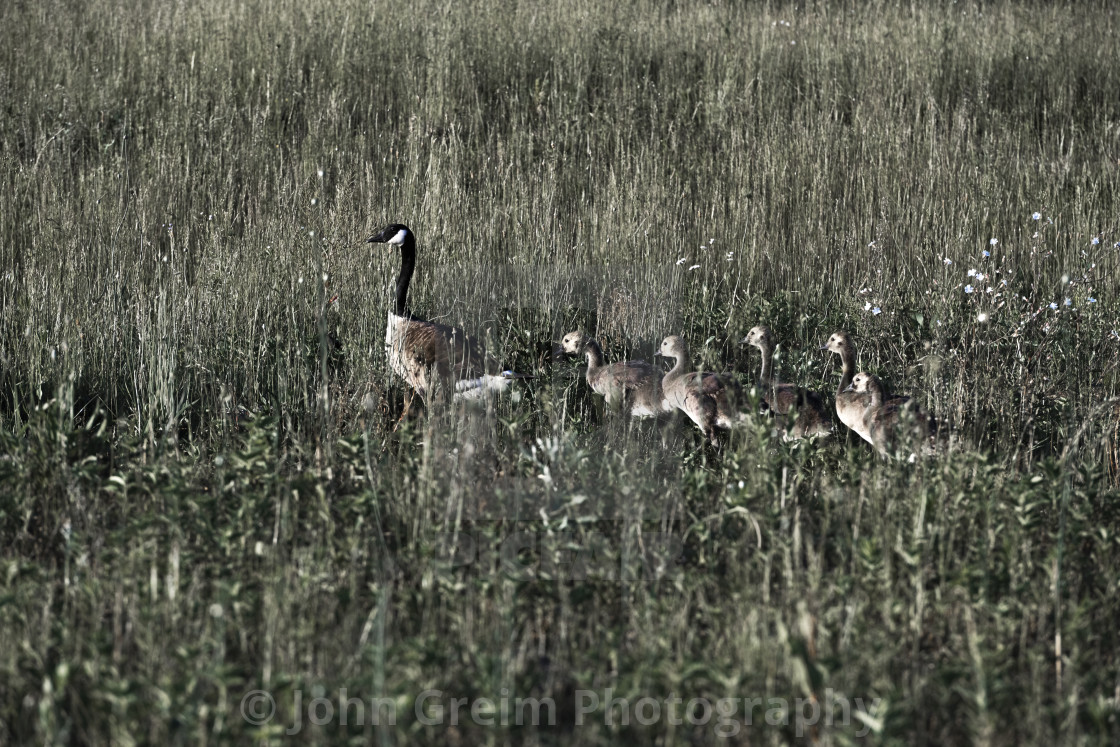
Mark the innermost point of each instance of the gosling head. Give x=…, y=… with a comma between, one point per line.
x=865, y=382
x=760, y=337
x=394, y=233
x=674, y=347
x=839, y=343
x=573, y=343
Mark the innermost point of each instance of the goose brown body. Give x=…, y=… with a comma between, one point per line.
x=426, y=354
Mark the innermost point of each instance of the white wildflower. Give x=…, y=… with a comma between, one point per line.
x=968, y=289
x=1036, y=216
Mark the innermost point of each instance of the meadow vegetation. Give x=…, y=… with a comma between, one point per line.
x=201, y=491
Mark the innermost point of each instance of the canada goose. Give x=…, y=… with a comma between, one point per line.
x=812, y=415
x=709, y=400
x=417, y=348
x=635, y=386
x=889, y=422
x=851, y=405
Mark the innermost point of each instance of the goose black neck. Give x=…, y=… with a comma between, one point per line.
x=408, y=265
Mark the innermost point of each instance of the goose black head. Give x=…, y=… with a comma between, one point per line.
x=394, y=233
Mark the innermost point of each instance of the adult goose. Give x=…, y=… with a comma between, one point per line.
x=633, y=386
x=890, y=423
x=812, y=418
x=710, y=400
x=429, y=355
x=850, y=404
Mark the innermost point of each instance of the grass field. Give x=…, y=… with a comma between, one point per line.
x=201, y=491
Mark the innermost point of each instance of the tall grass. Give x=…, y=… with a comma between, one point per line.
x=202, y=493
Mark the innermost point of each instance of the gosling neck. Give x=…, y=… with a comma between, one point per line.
x=848, y=367
x=765, y=376
x=594, y=355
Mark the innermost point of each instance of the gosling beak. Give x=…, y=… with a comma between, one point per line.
x=744, y=341
x=558, y=352
x=825, y=346
x=850, y=388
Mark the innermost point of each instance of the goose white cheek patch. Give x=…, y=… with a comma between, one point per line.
x=399, y=238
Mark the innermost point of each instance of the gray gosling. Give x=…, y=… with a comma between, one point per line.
x=891, y=424
x=851, y=405
x=811, y=414
x=632, y=386
x=710, y=400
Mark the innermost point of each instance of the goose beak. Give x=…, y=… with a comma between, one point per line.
x=381, y=237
